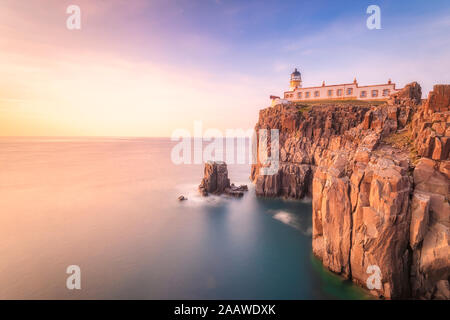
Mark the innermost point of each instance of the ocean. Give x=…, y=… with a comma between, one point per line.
x=109, y=206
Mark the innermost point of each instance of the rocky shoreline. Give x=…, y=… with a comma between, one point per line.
x=379, y=178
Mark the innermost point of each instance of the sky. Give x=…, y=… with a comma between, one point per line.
x=146, y=68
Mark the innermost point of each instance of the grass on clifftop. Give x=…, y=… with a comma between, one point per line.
x=302, y=108
x=402, y=140
x=305, y=106
x=340, y=102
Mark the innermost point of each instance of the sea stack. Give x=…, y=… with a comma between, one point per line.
x=216, y=181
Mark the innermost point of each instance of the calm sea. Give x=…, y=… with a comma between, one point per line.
x=109, y=205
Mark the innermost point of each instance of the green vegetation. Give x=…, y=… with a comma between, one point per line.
x=402, y=140
x=303, y=108
x=340, y=102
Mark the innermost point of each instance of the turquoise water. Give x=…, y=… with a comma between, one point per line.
x=110, y=206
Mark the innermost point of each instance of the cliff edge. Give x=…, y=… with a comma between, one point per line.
x=379, y=179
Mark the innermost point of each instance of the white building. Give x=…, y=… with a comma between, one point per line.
x=346, y=91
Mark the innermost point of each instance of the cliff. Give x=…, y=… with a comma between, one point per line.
x=378, y=177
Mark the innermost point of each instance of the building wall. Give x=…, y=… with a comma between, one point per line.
x=348, y=91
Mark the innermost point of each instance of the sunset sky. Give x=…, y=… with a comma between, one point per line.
x=146, y=68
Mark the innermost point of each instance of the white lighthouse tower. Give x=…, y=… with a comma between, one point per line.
x=296, y=80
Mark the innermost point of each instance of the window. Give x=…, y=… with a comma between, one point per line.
x=363, y=94
x=385, y=92
x=299, y=95
x=339, y=92
x=307, y=95
x=374, y=93
x=349, y=91
x=330, y=93
x=316, y=93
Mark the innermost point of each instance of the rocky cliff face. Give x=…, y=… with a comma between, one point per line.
x=379, y=181
x=430, y=221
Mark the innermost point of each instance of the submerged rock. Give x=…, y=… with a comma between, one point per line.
x=236, y=191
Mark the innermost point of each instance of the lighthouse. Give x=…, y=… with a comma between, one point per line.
x=344, y=91
x=296, y=80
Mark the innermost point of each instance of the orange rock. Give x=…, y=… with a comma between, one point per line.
x=361, y=187
x=438, y=99
x=419, y=218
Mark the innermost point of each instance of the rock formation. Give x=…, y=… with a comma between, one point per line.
x=430, y=223
x=379, y=178
x=215, y=181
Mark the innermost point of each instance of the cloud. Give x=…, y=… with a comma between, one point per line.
x=344, y=49
x=145, y=68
